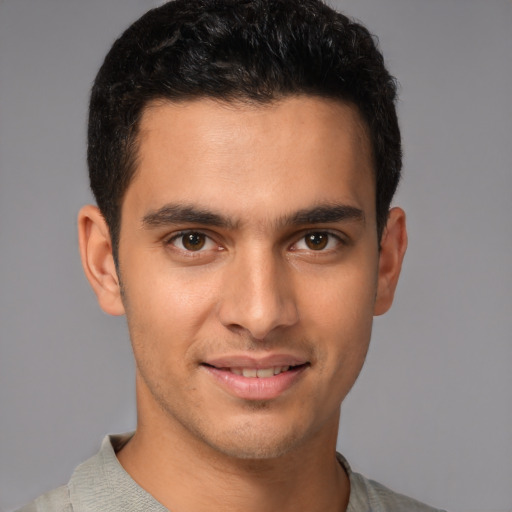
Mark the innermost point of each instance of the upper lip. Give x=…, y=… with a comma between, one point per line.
x=252, y=361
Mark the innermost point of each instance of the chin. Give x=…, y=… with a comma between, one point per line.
x=250, y=441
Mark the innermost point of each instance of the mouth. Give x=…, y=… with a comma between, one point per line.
x=258, y=373
x=250, y=380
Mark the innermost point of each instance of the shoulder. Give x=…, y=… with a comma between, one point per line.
x=384, y=499
x=53, y=501
x=370, y=496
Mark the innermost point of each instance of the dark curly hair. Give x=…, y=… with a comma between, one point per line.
x=236, y=50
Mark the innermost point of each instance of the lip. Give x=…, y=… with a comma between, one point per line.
x=250, y=361
x=255, y=388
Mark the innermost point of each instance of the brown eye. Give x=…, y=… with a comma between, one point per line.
x=193, y=241
x=316, y=241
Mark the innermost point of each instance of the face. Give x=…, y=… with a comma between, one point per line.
x=249, y=265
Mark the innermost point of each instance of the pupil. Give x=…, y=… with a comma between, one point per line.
x=316, y=241
x=193, y=241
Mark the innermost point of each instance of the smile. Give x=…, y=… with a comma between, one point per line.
x=253, y=382
x=260, y=373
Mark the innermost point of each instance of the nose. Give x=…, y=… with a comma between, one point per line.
x=258, y=295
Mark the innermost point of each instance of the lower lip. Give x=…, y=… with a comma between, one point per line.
x=254, y=388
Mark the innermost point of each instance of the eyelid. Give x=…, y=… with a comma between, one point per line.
x=340, y=239
x=170, y=239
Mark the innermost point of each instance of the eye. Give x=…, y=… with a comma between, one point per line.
x=317, y=241
x=192, y=241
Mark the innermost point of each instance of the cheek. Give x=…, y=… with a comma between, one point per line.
x=164, y=293
x=345, y=295
x=165, y=310
x=338, y=314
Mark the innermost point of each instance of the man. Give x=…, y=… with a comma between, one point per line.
x=243, y=155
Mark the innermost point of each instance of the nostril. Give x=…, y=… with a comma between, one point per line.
x=257, y=298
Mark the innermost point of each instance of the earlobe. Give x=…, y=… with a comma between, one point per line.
x=392, y=251
x=97, y=259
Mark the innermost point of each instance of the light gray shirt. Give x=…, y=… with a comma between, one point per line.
x=102, y=485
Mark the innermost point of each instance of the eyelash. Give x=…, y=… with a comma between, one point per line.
x=339, y=240
x=331, y=237
x=182, y=234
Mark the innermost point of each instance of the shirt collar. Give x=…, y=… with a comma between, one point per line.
x=102, y=485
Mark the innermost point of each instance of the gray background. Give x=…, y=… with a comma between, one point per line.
x=431, y=414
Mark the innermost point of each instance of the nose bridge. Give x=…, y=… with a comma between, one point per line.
x=258, y=295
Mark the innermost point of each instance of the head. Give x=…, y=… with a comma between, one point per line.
x=244, y=156
x=245, y=51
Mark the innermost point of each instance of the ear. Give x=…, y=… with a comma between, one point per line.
x=392, y=251
x=97, y=259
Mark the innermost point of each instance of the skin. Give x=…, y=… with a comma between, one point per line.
x=252, y=286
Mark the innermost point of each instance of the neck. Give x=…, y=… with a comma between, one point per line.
x=184, y=473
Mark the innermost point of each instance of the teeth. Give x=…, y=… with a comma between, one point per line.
x=261, y=373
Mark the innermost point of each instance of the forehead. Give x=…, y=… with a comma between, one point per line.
x=292, y=152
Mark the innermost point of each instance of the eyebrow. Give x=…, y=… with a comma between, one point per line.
x=324, y=214
x=185, y=214
x=170, y=214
